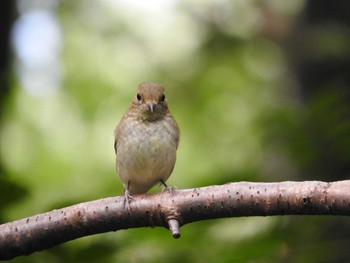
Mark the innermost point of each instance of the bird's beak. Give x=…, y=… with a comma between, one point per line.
x=152, y=106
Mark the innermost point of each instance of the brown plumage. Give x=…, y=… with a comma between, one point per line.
x=146, y=140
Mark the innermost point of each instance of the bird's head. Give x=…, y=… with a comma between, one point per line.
x=150, y=102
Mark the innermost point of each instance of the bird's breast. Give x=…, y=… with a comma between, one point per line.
x=146, y=153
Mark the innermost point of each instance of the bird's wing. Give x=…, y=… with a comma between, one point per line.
x=115, y=139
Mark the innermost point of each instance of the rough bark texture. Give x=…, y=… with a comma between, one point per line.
x=173, y=209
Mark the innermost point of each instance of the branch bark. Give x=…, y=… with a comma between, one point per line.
x=173, y=209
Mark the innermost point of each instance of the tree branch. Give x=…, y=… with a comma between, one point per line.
x=172, y=209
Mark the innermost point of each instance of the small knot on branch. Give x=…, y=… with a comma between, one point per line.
x=174, y=228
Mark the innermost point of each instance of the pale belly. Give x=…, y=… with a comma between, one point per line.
x=146, y=156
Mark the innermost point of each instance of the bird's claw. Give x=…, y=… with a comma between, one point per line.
x=127, y=199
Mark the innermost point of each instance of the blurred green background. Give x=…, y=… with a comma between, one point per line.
x=260, y=90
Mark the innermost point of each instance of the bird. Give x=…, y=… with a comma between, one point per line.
x=146, y=142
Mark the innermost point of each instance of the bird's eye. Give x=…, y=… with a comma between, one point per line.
x=162, y=98
x=138, y=96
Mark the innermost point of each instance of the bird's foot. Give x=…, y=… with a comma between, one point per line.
x=127, y=199
x=170, y=189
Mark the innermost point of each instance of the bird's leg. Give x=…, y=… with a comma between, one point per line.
x=166, y=187
x=127, y=197
x=163, y=183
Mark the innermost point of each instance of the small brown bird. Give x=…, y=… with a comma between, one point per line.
x=146, y=140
